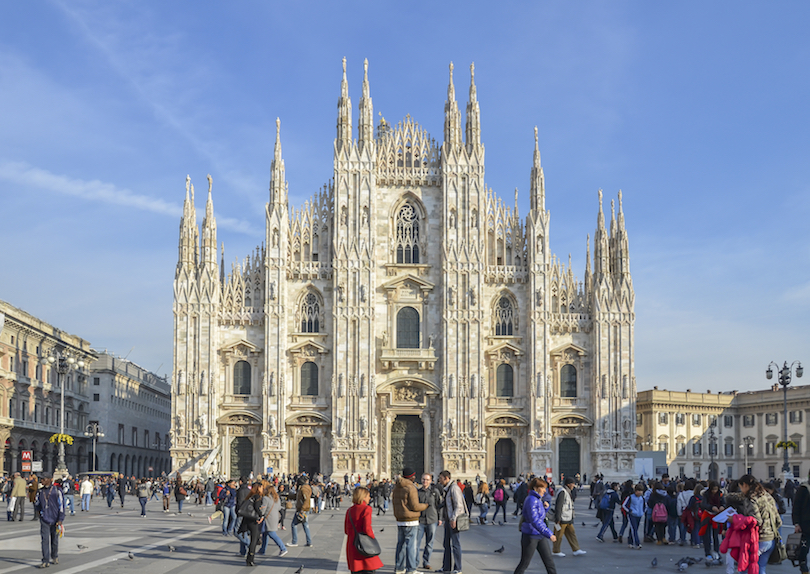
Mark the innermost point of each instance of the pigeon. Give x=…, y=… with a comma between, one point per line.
x=82, y=547
x=332, y=516
x=583, y=523
x=300, y=569
x=382, y=529
x=500, y=550
x=654, y=562
x=190, y=514
x=131, y=556
x=500, y=523
x=682, y=566
x=171, y=548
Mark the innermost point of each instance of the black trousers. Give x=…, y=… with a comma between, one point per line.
x=255, y=537
x=527, y=547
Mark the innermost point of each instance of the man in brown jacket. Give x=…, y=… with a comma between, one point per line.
x=18, y=489
x=301, y=509
x=407, y=510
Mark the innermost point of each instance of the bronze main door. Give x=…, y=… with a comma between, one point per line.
x=407, y=444
x=309, y=456
x=241, y=457
x=569, y=457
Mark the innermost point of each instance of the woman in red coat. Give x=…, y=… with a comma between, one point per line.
x=360, y=513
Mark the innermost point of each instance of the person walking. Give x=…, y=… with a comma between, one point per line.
x=358, y=521
x=302, y=506
x=33, y=489
x=454, y=507
x=180, y=494
x=534, y=533
x=18, y=490
x=635, y=506
x=521, y=492
x=228, y=498
x=482, y=501
x=122, y=488
x=69, y=490
x=501, y=497
x=428, y=519
x=252, y=512
x=607, y=506
x=86, y=492
x=273, y=503
x=564, y=520
x=801, y=522
x=407, y=510
x=50, y=504
x=143, y=496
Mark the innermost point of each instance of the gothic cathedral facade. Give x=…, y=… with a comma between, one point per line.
x=405, y=316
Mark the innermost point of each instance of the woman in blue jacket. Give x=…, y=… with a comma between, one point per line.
x=535, y=534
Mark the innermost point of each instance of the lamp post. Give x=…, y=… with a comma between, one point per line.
x=64, y=362
x=784, y=380
x=712, y=447
x=747, y=442
x=94, y=430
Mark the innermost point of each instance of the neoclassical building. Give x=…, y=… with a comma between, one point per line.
x=405, y=315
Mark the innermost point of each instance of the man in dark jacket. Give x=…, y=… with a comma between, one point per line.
x=122, y=488
x=50, y=503
x=607, y=506
x=801, y=519
x=429, y=519
x=520, y=495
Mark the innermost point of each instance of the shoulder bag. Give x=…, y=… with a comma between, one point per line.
x=462, y=520
x=248, y=510
x=363, y=543
x=779, y=552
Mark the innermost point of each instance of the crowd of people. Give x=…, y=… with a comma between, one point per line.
x=725, y=519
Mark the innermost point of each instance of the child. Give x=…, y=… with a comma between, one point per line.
x=635, y=507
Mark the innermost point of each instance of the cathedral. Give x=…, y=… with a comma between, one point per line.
x=405, y=315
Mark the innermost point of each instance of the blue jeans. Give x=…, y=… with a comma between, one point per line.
x=429, y=532
x=143, y=500
x=632, y=538
x=86, y=502
x=244, y=541
x=672, y=528
x=69, y=502
x=228, y=519
x=765, y=551
x=295, y=522
x=208, y=501
x=625, y=523
x=180, y=505
x=607, y=521
x=406, y=549
x=274, y=537
x=452, y=549
x=484, y=509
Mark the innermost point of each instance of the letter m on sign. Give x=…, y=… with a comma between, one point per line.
x=26, y=455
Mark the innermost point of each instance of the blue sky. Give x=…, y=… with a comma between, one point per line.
x=697, y=111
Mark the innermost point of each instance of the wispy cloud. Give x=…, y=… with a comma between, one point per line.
x=23, y=174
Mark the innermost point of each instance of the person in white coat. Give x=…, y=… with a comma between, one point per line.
x=86, y=492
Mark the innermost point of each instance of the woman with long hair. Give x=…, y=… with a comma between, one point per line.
x=252, y=525
x=283, y=495
x=358, y=520
x=753, y=500
x=711, y=504
x=535, y=533
x=482, y=500
x=272, y=502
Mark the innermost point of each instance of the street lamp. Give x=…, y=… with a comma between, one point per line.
x=94, y=430
x=784, y=380
x=65, y=362
x=747, y=443
x=712, y=447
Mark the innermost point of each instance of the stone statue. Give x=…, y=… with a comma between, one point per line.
x=430, y=341
x=363, y=426
x=472, y=296
x=362, y=385
x=385, y=339
x=202, y=376
x=272, y=290
x=474, y=427
x=450, y=296
x=451, y=391
x=363, y=293
x=340, y=385
x=271, y=386
x=181, y=383
x=473, y=386
x=340, y=293
x=271, y=425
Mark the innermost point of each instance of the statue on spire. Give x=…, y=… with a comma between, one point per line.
x=210, y=184
x=188, y=183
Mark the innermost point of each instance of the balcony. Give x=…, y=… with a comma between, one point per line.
x=397, y=358
x=569, y=404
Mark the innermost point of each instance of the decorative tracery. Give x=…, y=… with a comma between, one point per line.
x=407, y=235
x=504, y=318
x=310, y=314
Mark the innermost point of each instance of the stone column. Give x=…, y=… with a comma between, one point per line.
x=426, y=423
x=386, y=469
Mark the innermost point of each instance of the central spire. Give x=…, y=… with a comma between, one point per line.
x=473, y=131
x=278, y=184
x=344, y=121
x=538, y=185
x=366, y=122
x=452, y=117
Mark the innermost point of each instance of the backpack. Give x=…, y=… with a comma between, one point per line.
x=604, y=504
x=659, y=513
x=498, y=496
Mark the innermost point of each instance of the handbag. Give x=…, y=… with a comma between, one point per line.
x=363, y=543
x=462, y=522
x=779, y=553
x=248, y=510
x=793, y=546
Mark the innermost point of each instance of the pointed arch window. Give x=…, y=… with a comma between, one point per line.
x=309, y=379
x=505, y=381
x=310, y=314
x=407, y=235
x=241, y=378
x=504, y=322
x=408, y=328
x=568, y=382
